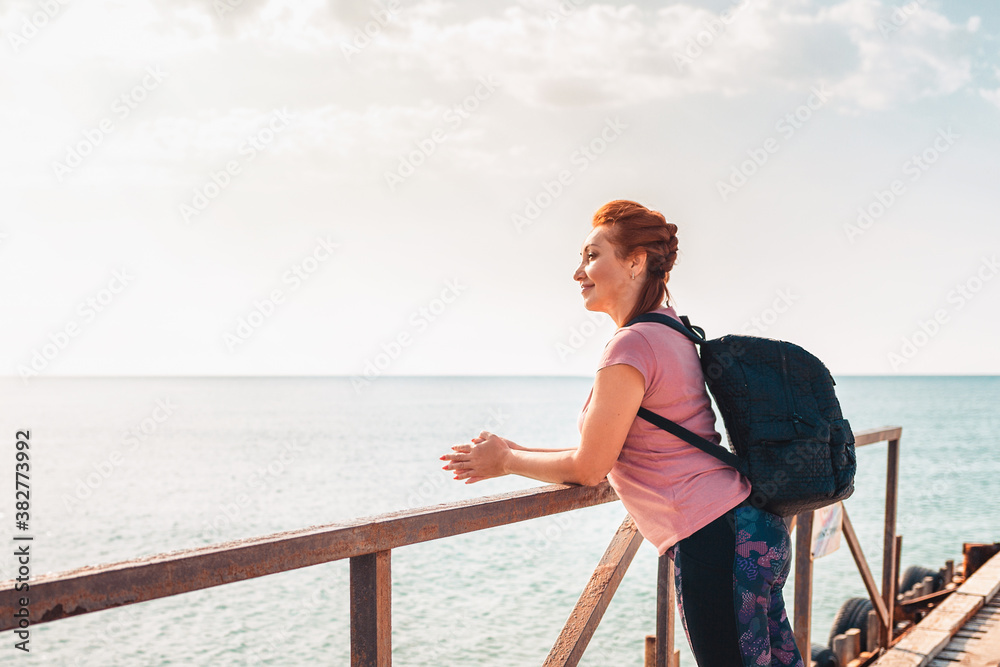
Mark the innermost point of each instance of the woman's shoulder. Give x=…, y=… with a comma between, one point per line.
x=635, y=336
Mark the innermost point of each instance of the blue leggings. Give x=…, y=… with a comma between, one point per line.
x=729, y=577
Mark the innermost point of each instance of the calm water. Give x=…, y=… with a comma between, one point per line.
x=123, y=468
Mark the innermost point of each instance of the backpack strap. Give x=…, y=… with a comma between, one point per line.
x=707, y=446
x=696, y=334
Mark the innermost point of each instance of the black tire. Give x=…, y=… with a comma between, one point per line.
x=853, y=614
x=823, y=656
x=914, y=574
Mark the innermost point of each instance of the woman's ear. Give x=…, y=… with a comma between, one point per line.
x=637, y=262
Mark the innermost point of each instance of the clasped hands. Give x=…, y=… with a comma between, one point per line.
x=484, y=457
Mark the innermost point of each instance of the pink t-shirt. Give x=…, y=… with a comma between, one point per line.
x=669, y=487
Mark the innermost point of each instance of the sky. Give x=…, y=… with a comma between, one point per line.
x=226, y=187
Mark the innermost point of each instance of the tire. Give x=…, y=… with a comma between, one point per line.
x=823, y=656
x=914, y=574
x=853, y=614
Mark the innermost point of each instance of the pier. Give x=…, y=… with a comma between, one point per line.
x=368, y=544
x=962, y=631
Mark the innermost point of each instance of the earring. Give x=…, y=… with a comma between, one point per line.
x=633, y=275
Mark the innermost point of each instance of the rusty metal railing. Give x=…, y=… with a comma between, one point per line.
x=884, y=601
x=368, y=543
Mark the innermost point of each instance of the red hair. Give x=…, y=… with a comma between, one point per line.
x=631, y=227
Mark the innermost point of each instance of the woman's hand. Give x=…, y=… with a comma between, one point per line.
x=617, y=394
x=485, y=457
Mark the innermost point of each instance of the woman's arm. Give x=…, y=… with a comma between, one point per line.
x=513, y=445
x=618, y=392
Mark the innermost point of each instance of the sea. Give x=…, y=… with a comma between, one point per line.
x=127, y=467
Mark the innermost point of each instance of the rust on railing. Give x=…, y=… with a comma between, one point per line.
x=368, y=543
x=88, y=589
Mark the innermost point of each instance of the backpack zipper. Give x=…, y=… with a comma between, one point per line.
x=789, y=396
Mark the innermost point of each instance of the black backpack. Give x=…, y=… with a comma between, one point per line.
x=782, y=417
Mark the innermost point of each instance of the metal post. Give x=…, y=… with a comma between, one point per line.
x=803, y=582
x=666, y=601
x=889, y=555
x=371, y=620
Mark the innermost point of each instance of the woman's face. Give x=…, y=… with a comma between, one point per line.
x=605, y=281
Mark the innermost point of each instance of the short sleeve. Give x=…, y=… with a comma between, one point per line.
x=629, y=346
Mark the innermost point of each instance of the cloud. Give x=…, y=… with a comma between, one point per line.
x=414, y=60
x=873, y=57
x=608, y=55
x=992, y=96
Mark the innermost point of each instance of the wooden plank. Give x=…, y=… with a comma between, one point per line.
x=916, y=649
x=866, y=573
x=952, y=614
x=802, y=618
x=594, y=600
x=979, y=649
x=371, y=610
x=94, y=588
x=873, y=636
x=985, y=581
x=939, y=630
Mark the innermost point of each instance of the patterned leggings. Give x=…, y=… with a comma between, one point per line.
x=729, y=577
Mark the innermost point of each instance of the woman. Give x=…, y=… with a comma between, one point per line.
x=731, y=559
